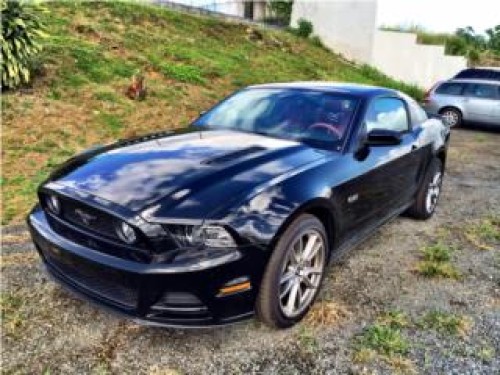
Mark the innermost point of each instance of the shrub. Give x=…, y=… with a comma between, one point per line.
x=21, y=29
x=304, y=29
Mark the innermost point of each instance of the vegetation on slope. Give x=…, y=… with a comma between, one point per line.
x=189, y=63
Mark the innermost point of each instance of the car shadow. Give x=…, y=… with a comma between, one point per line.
x=480, y=127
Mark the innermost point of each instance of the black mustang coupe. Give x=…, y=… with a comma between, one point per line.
x=243, y=211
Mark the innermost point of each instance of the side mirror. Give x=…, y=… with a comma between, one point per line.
x=383, y=137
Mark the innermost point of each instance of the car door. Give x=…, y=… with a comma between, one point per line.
x=480, y=102
x=496, y=109
x=386, y=176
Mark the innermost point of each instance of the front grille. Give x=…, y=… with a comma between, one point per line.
x=88, y=217
x=107, y=283
x=97, y=242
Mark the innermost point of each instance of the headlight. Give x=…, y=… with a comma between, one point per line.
x=216, y=236
x=53, y=204
x=213, y=236
x=125, y=232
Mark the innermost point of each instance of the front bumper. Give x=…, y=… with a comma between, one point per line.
x=186, y=295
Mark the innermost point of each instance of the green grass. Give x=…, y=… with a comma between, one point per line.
x=437, y=253
x=383, y=339
x=394, y=319
x=436, y=262
x=444, y=322
x=189, y=63
x=12, y=317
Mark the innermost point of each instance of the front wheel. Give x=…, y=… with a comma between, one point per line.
x=429, y=192
x=294, y=273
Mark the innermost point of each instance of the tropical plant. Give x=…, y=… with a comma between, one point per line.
x=21, y=32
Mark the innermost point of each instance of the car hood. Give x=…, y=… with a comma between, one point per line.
x=184, y=176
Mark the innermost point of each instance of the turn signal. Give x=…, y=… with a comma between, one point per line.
x=235, y=288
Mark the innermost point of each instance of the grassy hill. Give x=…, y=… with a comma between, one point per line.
x=189, y=62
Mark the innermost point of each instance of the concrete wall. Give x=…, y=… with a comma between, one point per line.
x=345, y=26
x=400, y=56
x=350, y=28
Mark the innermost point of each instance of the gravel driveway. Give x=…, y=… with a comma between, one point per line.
x=445, y=324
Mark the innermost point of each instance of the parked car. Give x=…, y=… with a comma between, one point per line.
x=464, y=100
x=486, y=73
x=243, y=212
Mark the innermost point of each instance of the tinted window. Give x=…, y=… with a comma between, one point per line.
x=317, y=117
x=450, y=88
x=387, y=113
x=479, y=74
x=482, y=91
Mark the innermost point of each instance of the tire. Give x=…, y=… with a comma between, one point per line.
x=428, y=193
x=276, y=311
x=452, y=117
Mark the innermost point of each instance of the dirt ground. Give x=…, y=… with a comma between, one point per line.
x=46, y=330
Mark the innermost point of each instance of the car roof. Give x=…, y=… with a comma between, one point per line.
x=474, y=80
x=365, y=91
x=494, y=68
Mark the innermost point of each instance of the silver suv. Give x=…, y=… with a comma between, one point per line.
x=465, y=100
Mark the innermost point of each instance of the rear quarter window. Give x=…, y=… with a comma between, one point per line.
x=450, y=88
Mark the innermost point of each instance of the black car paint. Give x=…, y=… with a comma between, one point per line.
x=188, y=178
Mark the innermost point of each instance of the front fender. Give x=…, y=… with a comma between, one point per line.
x=263, y=217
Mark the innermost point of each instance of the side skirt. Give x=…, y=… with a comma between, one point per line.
x=340, y=252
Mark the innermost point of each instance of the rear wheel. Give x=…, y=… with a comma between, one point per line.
x=294, y=273
x=429, y=192
x=451, y=117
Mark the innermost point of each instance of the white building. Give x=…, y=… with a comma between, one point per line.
x=350, y=28
x=252, y=10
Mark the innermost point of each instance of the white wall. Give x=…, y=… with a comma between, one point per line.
x=345, y=26
x=349, y=27
x=400, y=56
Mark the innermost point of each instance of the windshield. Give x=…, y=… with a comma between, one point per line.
x=320, y=118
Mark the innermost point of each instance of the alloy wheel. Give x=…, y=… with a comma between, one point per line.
x=450, y=118
x=433, y=192
x=302, y=272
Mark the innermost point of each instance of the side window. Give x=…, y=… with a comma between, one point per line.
x=450, y=88
x=417, y=114
x=387, y=114
x=483, y=91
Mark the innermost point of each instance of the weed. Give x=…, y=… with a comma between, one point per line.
x=437, y=253
x=394, y=319
x=307, y=341
x=384, y=340
x=11, y=310
x=436, y=263
x=485, y=233
x=486, y=353
x=444, y=322
x=436, y=269
x=325, y=313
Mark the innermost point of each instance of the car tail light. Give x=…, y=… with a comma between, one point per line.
x=427, y=94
